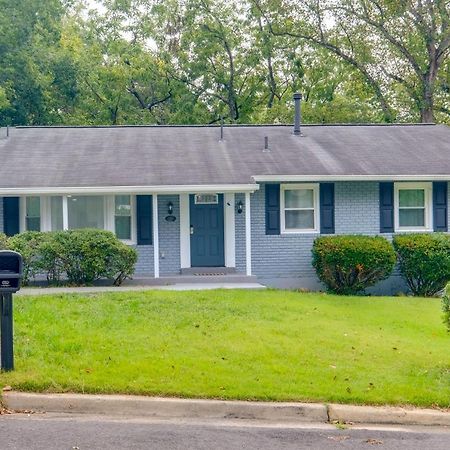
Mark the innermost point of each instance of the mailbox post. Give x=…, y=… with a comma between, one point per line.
x=11, y=270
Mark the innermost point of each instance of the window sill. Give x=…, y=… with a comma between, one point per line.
x=294, y=232
x=413, y=230
x=128, y=242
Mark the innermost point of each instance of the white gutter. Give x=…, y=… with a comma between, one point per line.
x=170, y=189
x=301, y=178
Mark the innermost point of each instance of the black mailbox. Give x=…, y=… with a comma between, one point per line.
x=11, y=271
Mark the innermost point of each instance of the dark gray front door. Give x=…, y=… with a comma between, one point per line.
x=207, y=234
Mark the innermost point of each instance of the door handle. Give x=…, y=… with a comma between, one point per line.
x=191, y=229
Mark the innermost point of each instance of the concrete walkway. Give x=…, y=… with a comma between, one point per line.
x=170, y=287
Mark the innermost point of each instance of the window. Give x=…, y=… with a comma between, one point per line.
x=56, y=213
x=413, y=203
x=206, y=199
x=33, y=214
x=122, y=216
x=299, y=208
x=59, y=212
x=86, y=212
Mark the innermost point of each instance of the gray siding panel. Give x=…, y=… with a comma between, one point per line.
x=169, y=236
x=357, y=207
x=1, y=214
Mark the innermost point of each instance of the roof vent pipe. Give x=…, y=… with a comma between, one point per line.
x=221, y=128
x=297, y=120
x=266, y=144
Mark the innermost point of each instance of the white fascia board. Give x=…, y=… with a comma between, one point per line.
x=170, y=189
x=317, y=178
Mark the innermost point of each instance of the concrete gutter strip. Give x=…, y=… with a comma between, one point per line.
x=126, y=405
x=388, y=415
x=129, y=405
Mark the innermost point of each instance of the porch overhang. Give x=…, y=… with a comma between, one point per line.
x=350, y=177
x=161, y=189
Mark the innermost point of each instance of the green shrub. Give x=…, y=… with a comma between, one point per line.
x=446, y=306
x=350, y=264
x=3, y=242
x=28, y=245
x=77, y=256
x=424, y=261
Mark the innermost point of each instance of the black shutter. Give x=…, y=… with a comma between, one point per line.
x=272, y=209
x=11, y=225
x=327, y=208
x=387, y=207
x=440, y=200
x=144, y=215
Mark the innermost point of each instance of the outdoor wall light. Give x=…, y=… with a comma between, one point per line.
x=240, y=207
x=170, y=217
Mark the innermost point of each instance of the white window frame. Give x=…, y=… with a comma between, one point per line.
x=428, y=206
x=291, y=187
x=23, y=212
x=133, y=239
x=109, y=216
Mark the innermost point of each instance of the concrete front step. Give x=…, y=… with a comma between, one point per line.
x=208, y=271
x=191, y=279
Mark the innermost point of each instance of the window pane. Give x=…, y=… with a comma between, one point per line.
x=412, y=217
x=411, y=197
x=123, y=227
x=299, y=219
x=86, y=212
x=123, y=205
x=299, y=198
x=33, y=223
x=33, y=214
x=56, y=213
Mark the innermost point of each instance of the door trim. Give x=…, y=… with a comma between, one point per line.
x=229, y=231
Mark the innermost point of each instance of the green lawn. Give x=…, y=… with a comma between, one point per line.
x=265, y=345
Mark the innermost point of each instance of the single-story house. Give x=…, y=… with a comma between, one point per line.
x=243, y=199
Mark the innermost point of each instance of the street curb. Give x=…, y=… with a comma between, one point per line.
x=387, y=415
x=126, y=405
x=159, y=407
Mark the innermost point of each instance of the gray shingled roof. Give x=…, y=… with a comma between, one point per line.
x=184, y=155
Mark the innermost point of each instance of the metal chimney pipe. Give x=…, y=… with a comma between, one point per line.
x=298, y=113
x=221, y=128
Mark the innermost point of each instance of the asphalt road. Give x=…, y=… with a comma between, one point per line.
x=73, y=432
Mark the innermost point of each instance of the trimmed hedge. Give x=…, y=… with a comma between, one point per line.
x=350, y=264
x=3, y=242
x=76, y=257
x=446, y=306
x=424, y=261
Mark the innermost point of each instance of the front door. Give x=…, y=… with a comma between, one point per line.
x=207, y=230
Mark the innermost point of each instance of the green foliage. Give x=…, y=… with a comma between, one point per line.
x=446, y=306
x=350, y=264
x=192, y=61
x=77, y=257
x=28, y=244
x=3, y=241
x=424, y=261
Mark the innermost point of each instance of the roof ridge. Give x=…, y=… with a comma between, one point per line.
x=372, y=124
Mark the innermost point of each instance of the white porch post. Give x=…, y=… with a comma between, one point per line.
x=230, y=230
x=248, y=235
x=185, y=236
x=65, y=210
x=155, y=235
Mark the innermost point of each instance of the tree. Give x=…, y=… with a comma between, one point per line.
x=404, y=43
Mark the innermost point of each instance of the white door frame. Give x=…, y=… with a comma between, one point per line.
x=229, y=230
